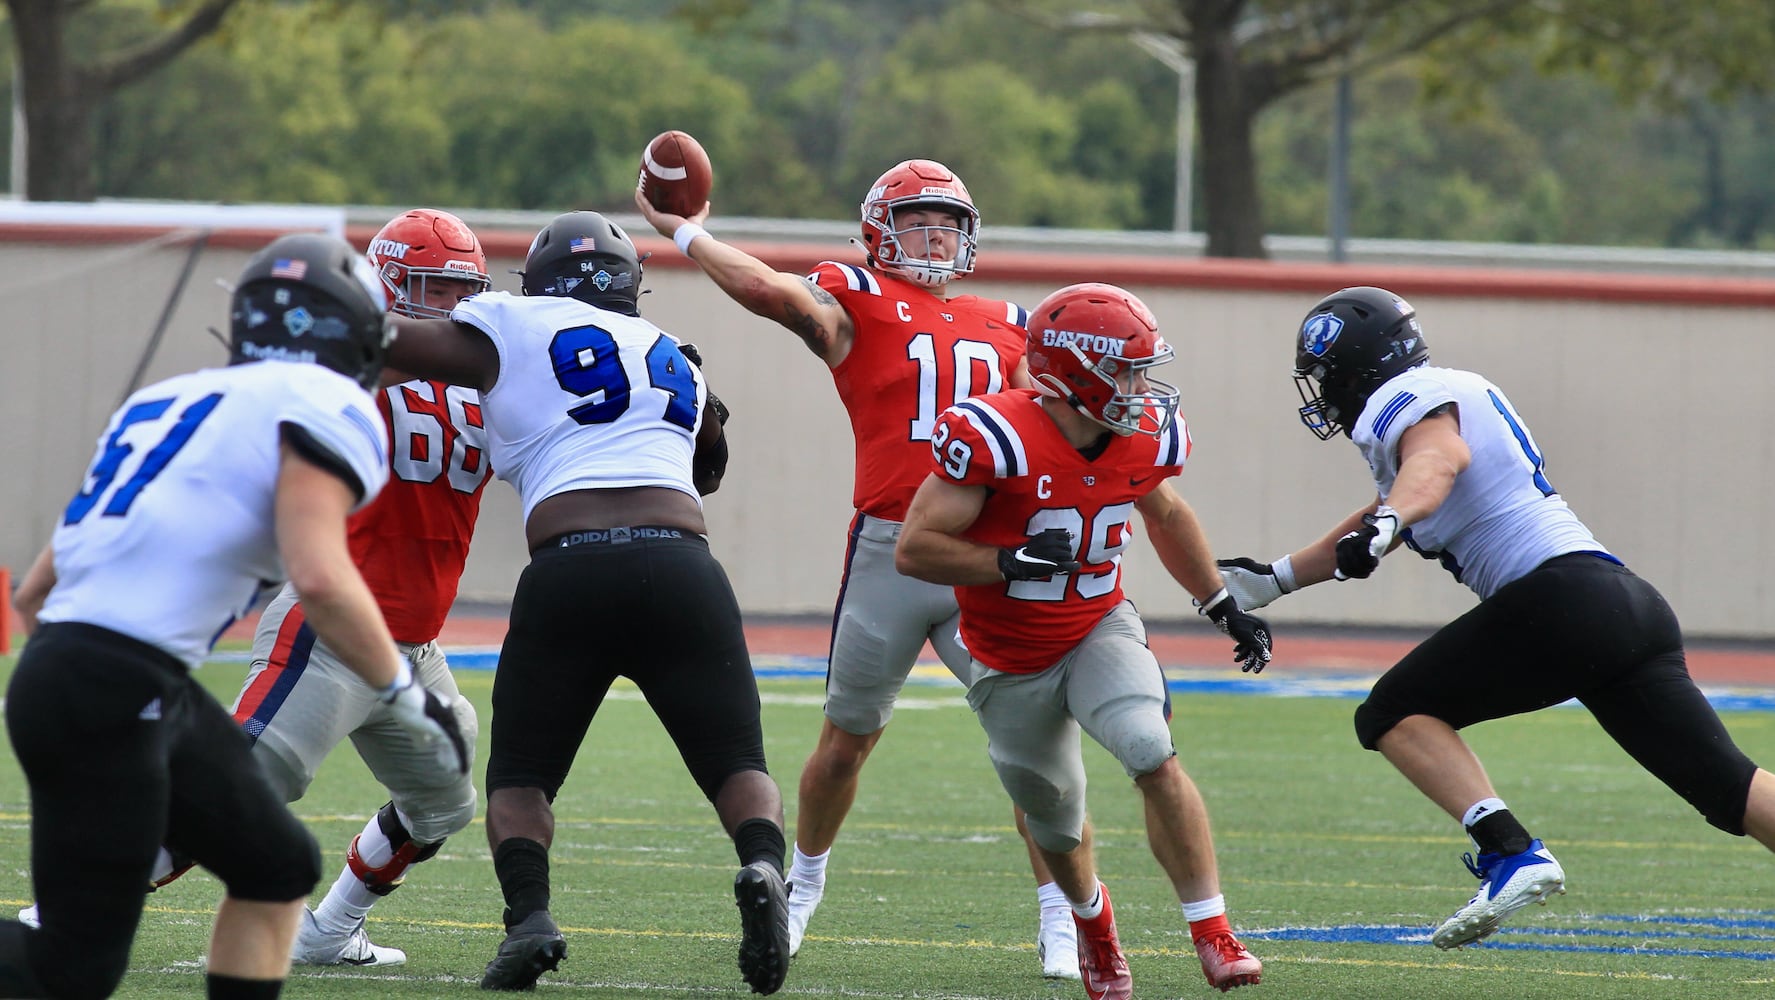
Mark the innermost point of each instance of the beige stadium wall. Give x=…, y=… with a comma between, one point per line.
x=1650, y=396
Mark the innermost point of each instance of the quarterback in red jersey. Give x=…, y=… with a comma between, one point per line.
x=1026, y=512
x=411, y=546
x=901, y=347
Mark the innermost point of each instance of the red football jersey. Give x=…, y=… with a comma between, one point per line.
x=914, y=355
x=412, y=542
x=1038, y=480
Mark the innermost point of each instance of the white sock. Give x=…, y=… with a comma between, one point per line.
x=349, y=900
x=1204, y=909
x=1482, y=808
x=1093, y=909
x=372, y=844
x=809, y=869
x=1053, y=903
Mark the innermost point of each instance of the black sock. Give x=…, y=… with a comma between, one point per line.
x=522, y=866
x=1499, y=833
x=759, y=839
x=234, y=988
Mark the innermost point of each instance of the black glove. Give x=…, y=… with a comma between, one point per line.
x=1049, y=552
x=691, y=354
x=1359, y=552
x=1251, y=634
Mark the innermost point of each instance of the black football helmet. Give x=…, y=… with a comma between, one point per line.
x=1350, y=343
x=585, y=256
x=314, y=298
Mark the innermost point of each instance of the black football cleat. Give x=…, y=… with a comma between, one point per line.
x=532, y=946
x=764, y=927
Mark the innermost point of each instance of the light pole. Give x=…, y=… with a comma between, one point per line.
x=1169, y=51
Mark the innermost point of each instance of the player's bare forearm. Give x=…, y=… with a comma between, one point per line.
x=936, y=557
x=1178, y=539
x=34, y=589
x=311, y=507
x=931, y=547
x=446, y=350
x=1317, y=562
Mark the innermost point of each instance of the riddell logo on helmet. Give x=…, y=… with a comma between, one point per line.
x=389, y=248
x=1094, y=343
x=945, y=190
x=274, y=352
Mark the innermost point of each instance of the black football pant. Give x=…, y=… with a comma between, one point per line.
x=124, y=752
x=1577, y=626
x=657, y=610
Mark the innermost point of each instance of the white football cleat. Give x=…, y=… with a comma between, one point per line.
x=804, y=899
x=313, y=947
x=1507, y=884
x=1057, y=945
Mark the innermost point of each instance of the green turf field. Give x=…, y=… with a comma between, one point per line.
x=1334, y=869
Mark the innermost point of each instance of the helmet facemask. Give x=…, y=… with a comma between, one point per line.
x=410, y=297
x=891, y=252
x=1095, y=389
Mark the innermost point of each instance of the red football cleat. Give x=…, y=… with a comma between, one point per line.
x=1226, y=963
x=1101, y=964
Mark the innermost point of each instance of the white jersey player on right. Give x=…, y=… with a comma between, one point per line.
x=1459, y=478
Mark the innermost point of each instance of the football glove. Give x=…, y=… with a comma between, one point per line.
x=1250, y=634
x=418, y=710
x=1047, y=553
x=1254, y=584
x=691, y=354
x=1360, y=551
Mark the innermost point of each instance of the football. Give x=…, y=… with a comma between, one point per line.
x=675, y=173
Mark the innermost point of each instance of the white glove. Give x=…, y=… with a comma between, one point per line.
x=418, y=710
x=1254, y=584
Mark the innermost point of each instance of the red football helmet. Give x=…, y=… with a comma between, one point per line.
x=1090, y=345
x=426, y=243
x=923, y=184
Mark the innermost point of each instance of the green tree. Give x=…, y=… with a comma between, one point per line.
x=71, y=56
x=1248, y=55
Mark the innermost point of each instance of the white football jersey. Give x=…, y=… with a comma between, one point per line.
x=172, y=534
x=1503, y=518
x=586, y=399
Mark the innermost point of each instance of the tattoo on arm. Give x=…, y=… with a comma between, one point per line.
x=806, y=326
x=822, y=296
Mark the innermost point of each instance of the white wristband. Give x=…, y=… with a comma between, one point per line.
x=685, y=233
x=402, y=678
x=1284, y=570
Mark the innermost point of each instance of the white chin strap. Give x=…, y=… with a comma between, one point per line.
x=930, y=275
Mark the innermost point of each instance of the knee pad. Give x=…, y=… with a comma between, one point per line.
x=282, y=872
x=384, y=879
x=1373, y=723
x=1143, y=748
x=1723, y=797
x=1054, y=815
x=286, y=773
